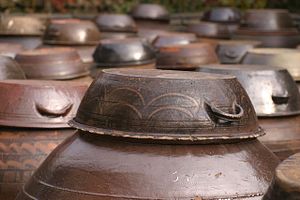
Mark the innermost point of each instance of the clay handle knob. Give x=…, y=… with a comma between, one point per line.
x=53, y=112
x=219, y=114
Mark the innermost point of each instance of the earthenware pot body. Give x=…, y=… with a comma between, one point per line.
x=52, y=63
x=222, y=15
x=154, y=118
x=174, y=38
x=209, y=30
x=9, y=69
x=10, y=49
x=115, y=23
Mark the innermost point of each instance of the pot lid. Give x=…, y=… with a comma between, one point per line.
x=115, y=23
x=233, y=51
x=150, y=35
x=187, y=56
x=52, y=63
x=272, y=90
x=38, y=103
x=210, y=30
x=286, y=183
x=167, y=105
x=9, y=69
x=283, y=57
x=173, y=38
x=21, y=25
x=222, y=15
x=150, y=11
x=267, y=19
x=123, y=52
x=71, y=32
x=10, y=49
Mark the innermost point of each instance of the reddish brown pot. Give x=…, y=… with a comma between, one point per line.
x=40, y=106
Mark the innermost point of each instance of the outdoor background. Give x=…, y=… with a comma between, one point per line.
x=123, y=6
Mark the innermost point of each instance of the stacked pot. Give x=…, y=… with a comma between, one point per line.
x=276, y=99
x=274, y=28
x=155, y=136
x=23, y=30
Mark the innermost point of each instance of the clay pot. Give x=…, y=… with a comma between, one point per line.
x=267, y=19
x=149, y=35
x=287, y=58
x=33, y=116
x=71, y=32
x=9, y=69
x=286, y=183
x=186, y=57
x=52, y=63
x=209, y=30
x=144, y=126
x=24, y=30
x=222, y=15
x=233, y=51
x=276, y=99
x=115, y=23
x=149, y=15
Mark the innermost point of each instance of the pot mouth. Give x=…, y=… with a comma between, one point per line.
x=186, y=138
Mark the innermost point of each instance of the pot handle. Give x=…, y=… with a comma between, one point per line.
x=283, y=99
x=231, y=54
x=219, y=114
x=53, y=113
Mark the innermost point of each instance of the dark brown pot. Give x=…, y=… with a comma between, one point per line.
x=286, y=182
x=224, y=15
x=156, y=137
x=186, y=57
x=52, y=63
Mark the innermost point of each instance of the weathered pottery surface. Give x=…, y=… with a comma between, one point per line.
x=222, y=15
x=10, y=49
x=174, y=38
x=150, y=12
x=209, y=30
x=115, y=23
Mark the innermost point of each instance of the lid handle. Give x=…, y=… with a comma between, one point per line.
x=280, y=99
x=221, y=115
x=230, y=54
x=52, y=112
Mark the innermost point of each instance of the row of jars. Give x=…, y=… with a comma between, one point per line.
x=134, y=121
